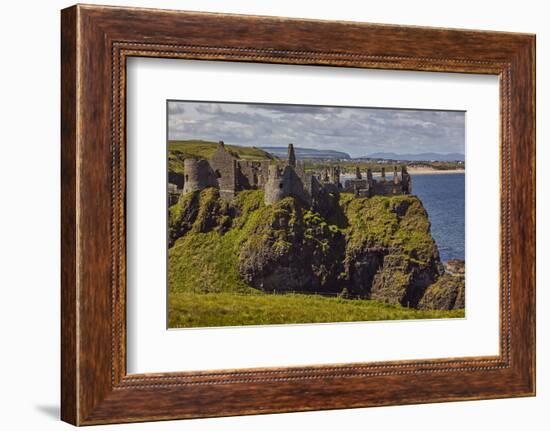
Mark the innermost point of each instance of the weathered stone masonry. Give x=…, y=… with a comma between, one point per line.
x=225, y=172
x=398, y=185
x=231, y=175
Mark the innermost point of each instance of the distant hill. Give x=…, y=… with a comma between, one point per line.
x=306, y=153
x=441, y=157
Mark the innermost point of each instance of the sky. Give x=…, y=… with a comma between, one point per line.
x=356, y=131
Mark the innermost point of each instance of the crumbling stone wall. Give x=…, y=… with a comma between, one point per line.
x=231, y=175
x=290, y=180
x=224, y=165
x=252, y=174
x=397, y=185
x=297, y=187
x=173, y=193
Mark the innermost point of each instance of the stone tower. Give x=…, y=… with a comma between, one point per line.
x=277, y=186
x=406, y=181
x=395, y=177
x=291, y=156
x=197, y=175
x=369, y=174
x=224, y=166
x=335, y=175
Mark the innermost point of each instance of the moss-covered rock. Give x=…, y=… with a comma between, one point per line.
x=447, y=293
x=287, y=247
x=390, y=253
x=182, y=215
x=455, y=266
x=199, y=211
x=375, y=248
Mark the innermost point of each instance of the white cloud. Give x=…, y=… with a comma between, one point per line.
x=358, y=131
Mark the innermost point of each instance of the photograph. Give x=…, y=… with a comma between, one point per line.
x=289, y=214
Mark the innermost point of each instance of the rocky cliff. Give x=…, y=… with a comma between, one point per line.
x=372, y=248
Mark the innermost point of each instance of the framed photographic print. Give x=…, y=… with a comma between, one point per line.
x=325, y=234
x=264, y=215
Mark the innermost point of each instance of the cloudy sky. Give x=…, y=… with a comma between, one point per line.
x=357, y=131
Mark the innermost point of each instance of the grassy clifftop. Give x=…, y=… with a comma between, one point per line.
x=180, y=150
x=397, y=222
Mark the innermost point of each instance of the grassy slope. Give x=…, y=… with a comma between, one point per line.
x=227, y=309
x=206, y=262
x=178, y=150
x=206, y=289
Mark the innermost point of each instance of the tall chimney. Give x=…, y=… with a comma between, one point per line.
x=291, y=156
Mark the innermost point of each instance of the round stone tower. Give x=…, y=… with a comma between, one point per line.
x=192, y=176
x=276, y=187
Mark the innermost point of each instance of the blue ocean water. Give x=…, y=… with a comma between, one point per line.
x=443, y=197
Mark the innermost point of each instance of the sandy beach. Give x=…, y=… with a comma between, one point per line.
x=423, y=171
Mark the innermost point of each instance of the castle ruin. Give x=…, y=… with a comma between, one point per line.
x=398, y=185
x=225, y=172
x=230, y=175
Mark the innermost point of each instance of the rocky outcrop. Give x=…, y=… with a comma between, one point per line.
x=447, y=293
x=455, y=266
x=182, y=215
x=376, y=248
x=390, y=253
x=402, y=280
x=290, y=248
x=199, y=212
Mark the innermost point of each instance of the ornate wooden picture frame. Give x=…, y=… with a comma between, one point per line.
x=96, y=42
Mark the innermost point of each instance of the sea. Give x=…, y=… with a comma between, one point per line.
x=443, y=196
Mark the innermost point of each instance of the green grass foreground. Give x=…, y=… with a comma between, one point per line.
x=191, y=310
